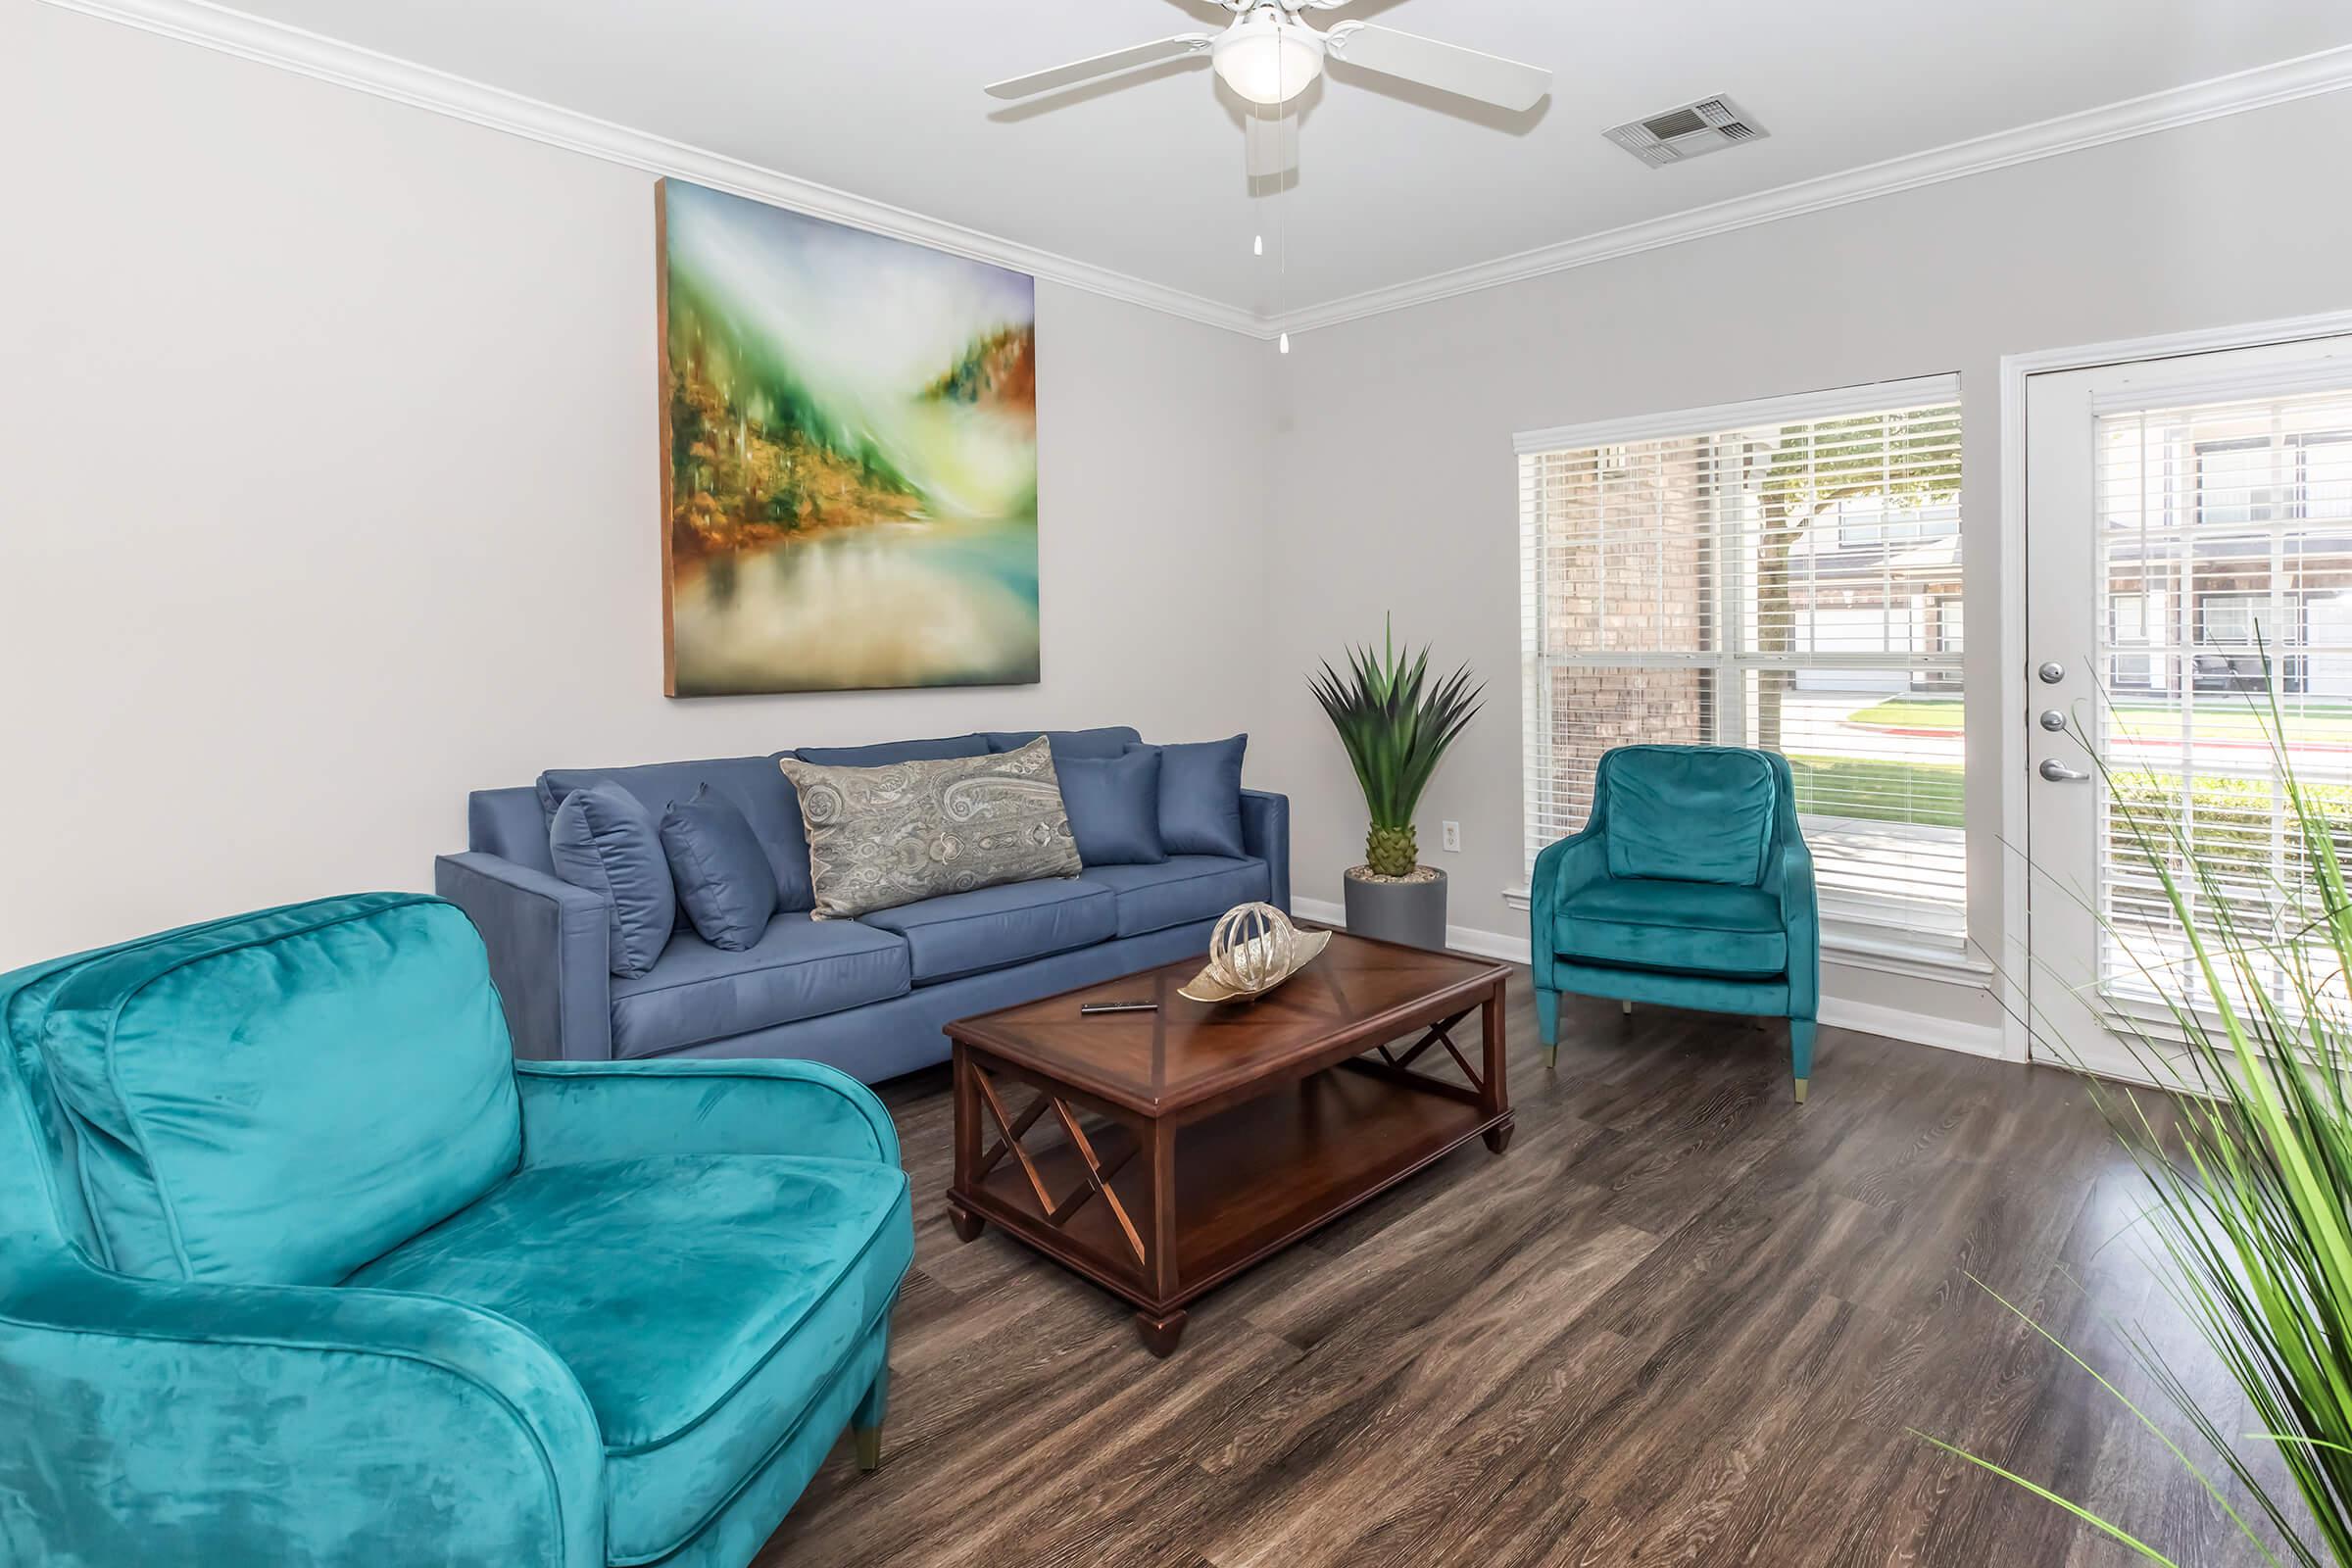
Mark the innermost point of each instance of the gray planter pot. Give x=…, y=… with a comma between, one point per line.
x=1410, y=912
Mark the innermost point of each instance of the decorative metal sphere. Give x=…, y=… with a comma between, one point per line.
x=1253, y=946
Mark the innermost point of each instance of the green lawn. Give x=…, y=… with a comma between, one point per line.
x=2220, y=715
x=1878, y=790
x=1928, y=794
x=1912, y=712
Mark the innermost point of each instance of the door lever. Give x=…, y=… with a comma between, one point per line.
x=2058, y=772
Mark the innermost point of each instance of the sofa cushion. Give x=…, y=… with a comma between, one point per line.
x=1180, y=890
x=1689, y=814
x=754, y=784
x=1691, y=927
x=1200, y=796
x=1067, y=743
x=801, y=967
x=280, y=1097
x=721, y=872
x=1113, y=803
x=603, y=840
x=703, y=1301
x=884, y=753
x=966, y=933
x=906, y=831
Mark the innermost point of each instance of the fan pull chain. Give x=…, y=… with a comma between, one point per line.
x=1281, y=196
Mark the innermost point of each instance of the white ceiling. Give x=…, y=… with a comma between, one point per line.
x=884, y=100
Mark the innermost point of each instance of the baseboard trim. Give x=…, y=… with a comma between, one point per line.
x=1864, y=1017
x=1460, y=938
x=1914, y=1028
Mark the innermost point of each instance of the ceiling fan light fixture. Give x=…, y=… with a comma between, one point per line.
x=1266, y=60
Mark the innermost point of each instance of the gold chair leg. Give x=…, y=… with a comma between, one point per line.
x=1626, y=1007
x=1800, y=1090
x=1551, y=1058
x=869, y=1448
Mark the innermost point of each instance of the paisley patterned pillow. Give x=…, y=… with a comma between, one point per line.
x=891, y=835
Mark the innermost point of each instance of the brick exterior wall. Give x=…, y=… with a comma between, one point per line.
x=1630, y=591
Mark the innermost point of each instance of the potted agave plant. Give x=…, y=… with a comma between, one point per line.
x=1395, y=727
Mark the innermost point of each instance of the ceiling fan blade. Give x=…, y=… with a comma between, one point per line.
x=1269, y=145
x=1078, y=71
x=1450, y=68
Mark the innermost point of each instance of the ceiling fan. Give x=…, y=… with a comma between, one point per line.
x=1269, y=55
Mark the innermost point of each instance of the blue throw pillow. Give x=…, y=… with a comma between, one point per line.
x=723, y=873
x=884, y=753
x=1108, y=741
x=1113, y=803
x=605, y=840
x=754, y=785
x=1200, y=796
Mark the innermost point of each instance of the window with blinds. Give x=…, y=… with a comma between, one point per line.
x=2225, y=559
x=1785, y=574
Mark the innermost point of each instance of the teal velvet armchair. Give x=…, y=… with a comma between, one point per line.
x=297, y=1266
x=1689, y=887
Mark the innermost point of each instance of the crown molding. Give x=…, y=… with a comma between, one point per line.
x=2305, y=76
x=309, y=54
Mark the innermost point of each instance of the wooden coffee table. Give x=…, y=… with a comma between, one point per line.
x=1159, y=1154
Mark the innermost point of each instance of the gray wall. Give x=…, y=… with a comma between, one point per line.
x=1395, y=485
x=328, y=434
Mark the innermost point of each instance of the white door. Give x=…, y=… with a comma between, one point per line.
x=2185, y=518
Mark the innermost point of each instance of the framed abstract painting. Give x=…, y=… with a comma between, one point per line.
x=849, y=443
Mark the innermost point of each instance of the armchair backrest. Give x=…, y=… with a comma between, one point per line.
x=276, y=1097
x=1691, y=813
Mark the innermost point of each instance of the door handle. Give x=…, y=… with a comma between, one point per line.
x=2058, y=772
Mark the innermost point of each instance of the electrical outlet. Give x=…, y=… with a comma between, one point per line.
x=1453, y=836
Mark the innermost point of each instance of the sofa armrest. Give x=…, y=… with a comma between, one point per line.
x=1266, y=834
x=1800, y=913
x=574, y=1111
x=170, y=1423
x=549, y=953
x=1573, y=862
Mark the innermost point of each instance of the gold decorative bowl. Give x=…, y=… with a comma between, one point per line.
x=1254, y=949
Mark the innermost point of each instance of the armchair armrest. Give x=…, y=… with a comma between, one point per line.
x=548, y=953
x=1266, y=834
x=1573, y=862
x=170, y=1423
x=575, y=1111
x=1800, y=913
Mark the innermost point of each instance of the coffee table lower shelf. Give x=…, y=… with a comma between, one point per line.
x=1246, y=1181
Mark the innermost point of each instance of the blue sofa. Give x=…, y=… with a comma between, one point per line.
x=866, y=995
x=298, y=1265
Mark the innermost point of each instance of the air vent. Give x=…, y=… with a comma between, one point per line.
x=1676, y=135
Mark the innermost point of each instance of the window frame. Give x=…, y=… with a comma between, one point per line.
x=1871, y=944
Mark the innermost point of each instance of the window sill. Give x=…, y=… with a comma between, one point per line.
x=1855, y=947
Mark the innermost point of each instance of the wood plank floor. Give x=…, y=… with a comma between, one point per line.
x=1682, y=1320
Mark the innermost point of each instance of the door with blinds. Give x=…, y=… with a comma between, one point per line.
x=1785, y=574
x=2189, y=566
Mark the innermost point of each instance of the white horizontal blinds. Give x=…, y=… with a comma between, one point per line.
x=2226, y=558
x=1618, y=607
x=1793, y=584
